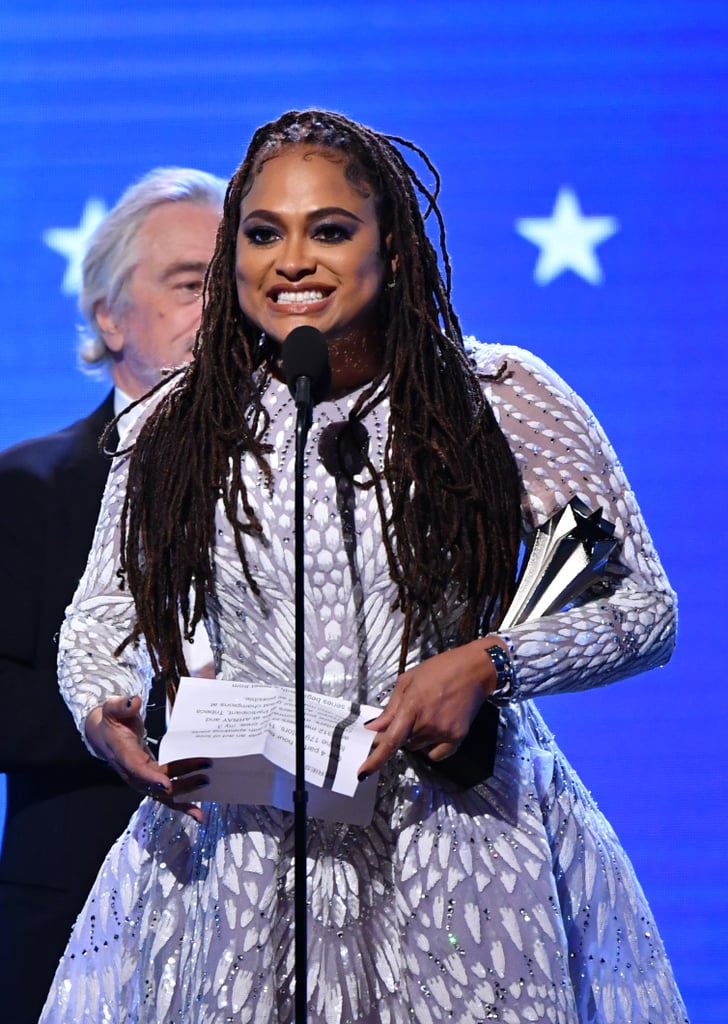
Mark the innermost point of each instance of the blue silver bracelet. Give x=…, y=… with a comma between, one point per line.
x=503, y=670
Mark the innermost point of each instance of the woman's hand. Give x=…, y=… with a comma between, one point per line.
x=116, y=732
x=433, y=705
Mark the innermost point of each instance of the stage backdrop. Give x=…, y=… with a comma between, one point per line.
x=583, y=152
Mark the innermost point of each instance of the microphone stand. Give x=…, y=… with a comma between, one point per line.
x=304, y=419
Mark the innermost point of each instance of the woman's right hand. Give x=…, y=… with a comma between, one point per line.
x=116, y=733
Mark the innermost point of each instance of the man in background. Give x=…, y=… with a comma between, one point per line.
x=141, y=296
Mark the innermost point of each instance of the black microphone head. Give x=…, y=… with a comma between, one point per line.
x=305, y=354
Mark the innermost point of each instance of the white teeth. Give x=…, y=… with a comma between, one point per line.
x=310, y=296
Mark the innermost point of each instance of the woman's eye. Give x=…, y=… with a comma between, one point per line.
x=261, y=235
x=332, y=233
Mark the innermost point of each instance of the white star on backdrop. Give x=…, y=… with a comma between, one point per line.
x=73, y=242
x=567, y=239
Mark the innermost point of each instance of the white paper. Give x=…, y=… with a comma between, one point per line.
x=247, y=730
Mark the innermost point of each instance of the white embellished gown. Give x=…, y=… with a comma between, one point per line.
x=512, y=901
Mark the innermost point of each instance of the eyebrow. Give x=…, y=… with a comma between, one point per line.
x=184, y=267
x=326, y=211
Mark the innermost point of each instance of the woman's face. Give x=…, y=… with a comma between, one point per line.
x=309, y=252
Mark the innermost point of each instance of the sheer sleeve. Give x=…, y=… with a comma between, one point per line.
x=563, y=452
x=101, y=614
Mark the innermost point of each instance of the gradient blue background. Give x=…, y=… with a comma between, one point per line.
x=627, y=104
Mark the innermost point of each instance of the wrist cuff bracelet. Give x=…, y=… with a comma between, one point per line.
x=503, y=670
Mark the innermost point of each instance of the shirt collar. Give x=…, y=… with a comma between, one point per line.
x=121, y=402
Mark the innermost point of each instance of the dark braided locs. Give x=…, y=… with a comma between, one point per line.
x=451, y=521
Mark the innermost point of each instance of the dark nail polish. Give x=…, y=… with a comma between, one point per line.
x=202, y=782
x=362, y=776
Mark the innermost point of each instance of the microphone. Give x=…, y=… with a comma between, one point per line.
x=306, y=364
x=308, y=375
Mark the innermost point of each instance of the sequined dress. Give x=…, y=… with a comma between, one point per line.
x=512, y=901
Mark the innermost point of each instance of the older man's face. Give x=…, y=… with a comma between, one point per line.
x=155, y=325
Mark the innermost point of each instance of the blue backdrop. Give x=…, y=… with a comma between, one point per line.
x=583, y=150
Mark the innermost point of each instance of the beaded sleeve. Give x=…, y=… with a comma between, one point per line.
x=101, y=615
x=562, y=452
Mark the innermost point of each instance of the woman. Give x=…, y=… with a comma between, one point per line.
x=428, y=464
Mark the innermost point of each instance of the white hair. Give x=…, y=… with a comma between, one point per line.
x=112, y=255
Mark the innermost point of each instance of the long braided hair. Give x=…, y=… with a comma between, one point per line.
x=451, y=521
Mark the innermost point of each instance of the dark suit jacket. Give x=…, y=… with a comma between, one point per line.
x=65, y=808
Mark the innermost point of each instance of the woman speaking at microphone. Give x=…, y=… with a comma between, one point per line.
x=429, y=462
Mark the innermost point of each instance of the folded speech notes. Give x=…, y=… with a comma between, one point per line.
x=248, y=731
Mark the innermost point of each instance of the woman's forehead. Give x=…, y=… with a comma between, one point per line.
x=303, y=172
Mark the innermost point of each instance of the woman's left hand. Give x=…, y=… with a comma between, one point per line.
x=433, y=704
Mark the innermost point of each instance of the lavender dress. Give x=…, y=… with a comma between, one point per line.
x=512, y=901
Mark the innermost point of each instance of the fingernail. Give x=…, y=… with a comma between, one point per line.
x=202, y=782
x=128, y=702
x=362, y=776
x=160, y=785
x=370, y=720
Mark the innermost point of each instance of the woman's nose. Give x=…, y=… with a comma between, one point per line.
x=295, y=258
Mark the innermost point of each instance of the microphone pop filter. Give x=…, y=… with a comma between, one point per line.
x=305, y=354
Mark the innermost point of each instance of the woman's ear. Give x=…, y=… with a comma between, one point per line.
x=392, y=258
